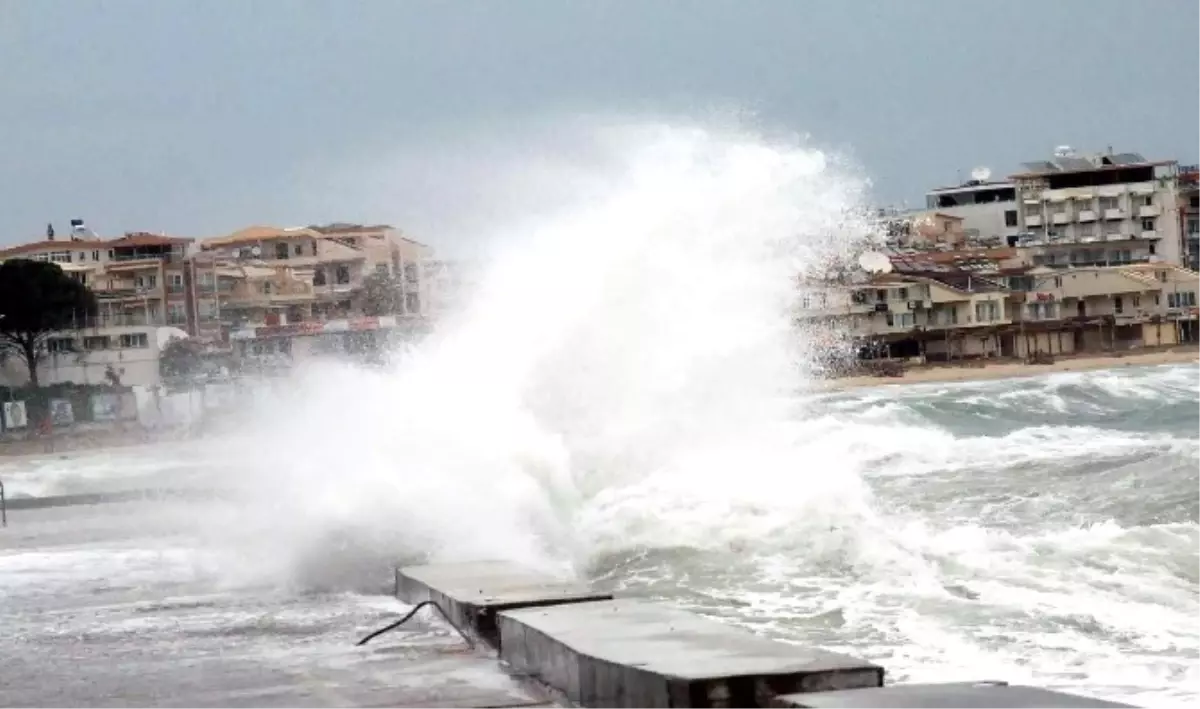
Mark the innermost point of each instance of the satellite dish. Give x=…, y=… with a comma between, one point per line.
x=1064, y=151
x=255, y=251
x=981, y=173
x=875, y=262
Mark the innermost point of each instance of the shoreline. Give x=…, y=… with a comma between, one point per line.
x=1008, y=369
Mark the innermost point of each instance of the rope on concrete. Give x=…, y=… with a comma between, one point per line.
x=409, y=615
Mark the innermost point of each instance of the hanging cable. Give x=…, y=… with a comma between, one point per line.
x=409, y=615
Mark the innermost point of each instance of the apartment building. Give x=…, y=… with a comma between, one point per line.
x=1100, y=210
x=1189, y=205
x=274, y=285
x=139, y=281
x=904, y=315
x=946, y=306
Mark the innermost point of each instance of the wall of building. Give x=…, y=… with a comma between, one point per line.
x=134, y=364
x=988, y=220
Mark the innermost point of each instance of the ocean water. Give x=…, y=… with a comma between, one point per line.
x=627, y=399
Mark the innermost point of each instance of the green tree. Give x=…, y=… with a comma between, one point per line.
x=180, y=359
x=381, y=295
x=37, y=299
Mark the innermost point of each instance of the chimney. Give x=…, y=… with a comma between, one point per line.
x=49, y=231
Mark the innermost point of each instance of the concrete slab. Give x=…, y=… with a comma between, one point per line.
x=987, y=695
x=637, y=653
x=473, y=593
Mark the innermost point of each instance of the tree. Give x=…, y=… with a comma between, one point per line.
x=381, y=295
x=37, y=299
x=180, y=358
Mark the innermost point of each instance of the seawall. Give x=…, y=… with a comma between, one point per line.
x=593, y=649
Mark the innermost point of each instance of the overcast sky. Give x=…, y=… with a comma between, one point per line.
x=197, y=118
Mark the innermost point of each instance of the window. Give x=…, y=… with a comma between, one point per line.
x=145, y=282
x=298, y=249
x=58, y=345
x=1193, y=227
x=134, y=340
x=319, y=277
x=176, y=314
x=981, y=312
x=95, y=255
x=1087, y=230
x=206, y=279
x=206, y=309
x=900, y=320
x=381, y=269
x=1152, y=248
x=1010, y=217
x=1195, y=202
x=1148, y=225
x=175, y=282
x=1183, y=299
x=1109, y=203
x=95, y=343
x=1146, y=201
x=281, y=249
x=342, y=274
x=1058, y=281
x=1137, y=301
x=412, y=303
x=1118, y=304
x=266, y=287
x=410, y=272
x=60, y=256
x=902, y=294
x=110, y=254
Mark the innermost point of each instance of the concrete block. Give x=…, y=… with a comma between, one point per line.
x=637, y=653
x=473, y=593
x=963, y=695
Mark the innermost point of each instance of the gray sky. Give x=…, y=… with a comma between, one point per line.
x=200, y=117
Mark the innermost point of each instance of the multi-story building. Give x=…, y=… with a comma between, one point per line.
x=276, y=284
x=139, y=281
x=1108, y=209
x=907, y=315
x=948, y=306
x=1189, y=205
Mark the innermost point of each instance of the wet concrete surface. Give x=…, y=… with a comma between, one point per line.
x=118, y=604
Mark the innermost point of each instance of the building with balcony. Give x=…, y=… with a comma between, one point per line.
x=908, y=315
x=948, y=306
x=1189, y=206
x=1102, y=210
x=273, y=285
x=140, y=285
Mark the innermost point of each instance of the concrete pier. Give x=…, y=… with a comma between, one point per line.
x=637, y=653
x=472, y=594
x=957, y=695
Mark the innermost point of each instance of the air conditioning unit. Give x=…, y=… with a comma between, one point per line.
x=917, y=305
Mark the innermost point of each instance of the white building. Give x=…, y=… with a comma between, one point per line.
x=87, y=356
x=1101, y=210
x=988, y=210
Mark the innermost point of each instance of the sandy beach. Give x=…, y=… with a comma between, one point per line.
x=1008, y=369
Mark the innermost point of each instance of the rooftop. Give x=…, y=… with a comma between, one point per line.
x=1067, y=162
